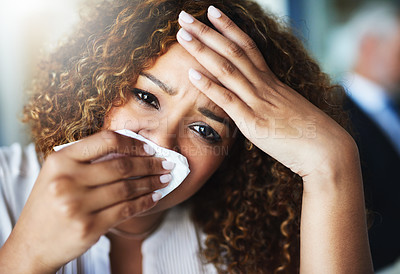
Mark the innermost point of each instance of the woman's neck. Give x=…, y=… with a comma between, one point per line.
x=141, y=225
x=125, y=253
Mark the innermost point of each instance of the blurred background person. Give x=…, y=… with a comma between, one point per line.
x=371, y=40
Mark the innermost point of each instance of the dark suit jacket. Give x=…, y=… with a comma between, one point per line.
x=381, y=175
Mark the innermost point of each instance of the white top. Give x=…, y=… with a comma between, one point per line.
x=374, y=102
x=172, y=248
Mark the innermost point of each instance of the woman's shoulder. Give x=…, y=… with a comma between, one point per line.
x=18, y=165
x=18, y=159
x=19, y=169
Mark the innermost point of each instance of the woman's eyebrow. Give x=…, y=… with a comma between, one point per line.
x=208, y=113
x=205, y=111
x=159, y=83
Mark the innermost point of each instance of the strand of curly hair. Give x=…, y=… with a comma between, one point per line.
x=250, y=208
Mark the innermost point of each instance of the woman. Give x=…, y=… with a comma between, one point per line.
x=232, y=91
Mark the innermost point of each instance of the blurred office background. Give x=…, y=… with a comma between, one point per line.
x=29, y=26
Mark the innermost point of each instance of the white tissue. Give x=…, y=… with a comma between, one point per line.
x=179, y=173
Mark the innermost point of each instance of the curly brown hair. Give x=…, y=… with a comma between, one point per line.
x=250, y=207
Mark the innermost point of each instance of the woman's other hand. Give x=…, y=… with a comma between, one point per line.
x=74, y=201
x=270, y=114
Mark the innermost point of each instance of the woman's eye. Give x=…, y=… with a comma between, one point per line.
x=147, y=98
x=207, y=132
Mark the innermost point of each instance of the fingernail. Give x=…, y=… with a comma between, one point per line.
x=194, y=74
x=156, y=196
x=148, y=149
x=214, y=12
x=165, y=178
x=185, y=35
x=168, y=165
x=186, y=17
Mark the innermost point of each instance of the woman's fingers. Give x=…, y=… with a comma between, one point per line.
x=223, y=97
x=232, y=32
x=225, y=47
x=108, y=157
x=109, y=195
x=223, y=69
x=103, y=143
x=124, y=167
x=116, y=214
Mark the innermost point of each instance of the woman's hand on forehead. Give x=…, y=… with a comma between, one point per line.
x=273, y=116
x=288, y=127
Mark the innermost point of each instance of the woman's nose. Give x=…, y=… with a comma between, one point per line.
x=165, y=133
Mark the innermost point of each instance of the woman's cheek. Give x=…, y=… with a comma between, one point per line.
x=203, y=162
x=122, y=117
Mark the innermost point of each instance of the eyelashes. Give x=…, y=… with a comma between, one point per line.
x=147, y=98
x=205, y=131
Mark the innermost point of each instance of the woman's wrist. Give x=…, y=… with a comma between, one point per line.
x=340, y=170
x=14, y=259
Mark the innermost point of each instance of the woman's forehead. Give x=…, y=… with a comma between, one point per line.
x=177, y=61
x=170, y=73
